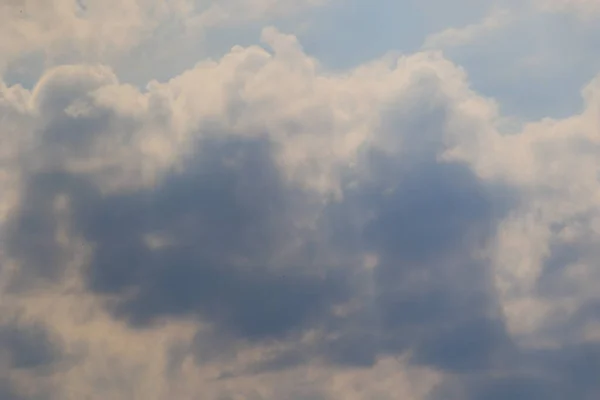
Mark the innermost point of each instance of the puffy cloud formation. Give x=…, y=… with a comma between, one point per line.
x=263, y=227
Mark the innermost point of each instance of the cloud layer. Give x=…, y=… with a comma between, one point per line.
x=261, y=226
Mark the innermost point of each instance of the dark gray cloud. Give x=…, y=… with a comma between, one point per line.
x=227, y=220
x=31, y=234
x=29, y=348
x=566, y=254
x=511, y=386
x=428, y=293
x=7, y=391
x=228, y=216
x=570, y=371
x=431, y=293
x=230, y=249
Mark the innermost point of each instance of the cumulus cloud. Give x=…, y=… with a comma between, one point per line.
x=260, y=227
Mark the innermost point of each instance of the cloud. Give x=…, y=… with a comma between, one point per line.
x=59, y=26
x=533, y=62
x=259, y=226
x=223, y=223
x=247, y=225
x=463, y=36
x=66, y=31
x=28, y=347
x=28, y=352
x=585, y=9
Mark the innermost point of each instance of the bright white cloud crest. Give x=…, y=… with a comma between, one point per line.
x=260, y=226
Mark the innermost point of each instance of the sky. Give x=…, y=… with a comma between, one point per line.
x=299, y=199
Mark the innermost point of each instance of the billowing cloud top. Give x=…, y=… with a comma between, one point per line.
x=225, y=200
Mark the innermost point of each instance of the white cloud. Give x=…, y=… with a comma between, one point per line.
x=321, y=120
x=94, y=29
x=105, y=31
x=497, y=19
